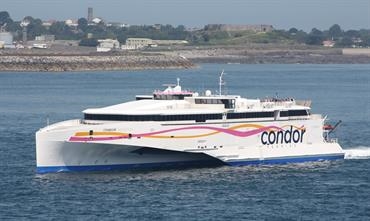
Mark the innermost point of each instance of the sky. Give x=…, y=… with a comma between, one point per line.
x=282, y=14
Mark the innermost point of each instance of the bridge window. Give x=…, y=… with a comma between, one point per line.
x=228, y=103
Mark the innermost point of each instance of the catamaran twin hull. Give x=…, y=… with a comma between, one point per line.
x=112, y=145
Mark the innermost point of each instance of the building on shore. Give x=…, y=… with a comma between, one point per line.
x=96, y=21
x=48, y=24
x=40, y=46
x=6, y=40
x=170, y=42
x=106, y=45
x=328, y=43
x=71, y=23
x=139, y=43
x=90, y=14
x=45, y=38
x=230, y=27
x=6, y=37
x=117, y=24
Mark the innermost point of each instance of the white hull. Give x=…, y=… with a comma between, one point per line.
x=65, y=156
x=66, y=146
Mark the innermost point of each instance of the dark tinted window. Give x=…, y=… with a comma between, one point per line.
x=194, y=117
x=170, y=96
x=292, y=113
x=250, y=115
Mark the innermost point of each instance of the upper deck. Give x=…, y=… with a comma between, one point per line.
x=174, y=104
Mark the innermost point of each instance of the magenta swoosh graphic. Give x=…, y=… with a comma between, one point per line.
x=227, y=131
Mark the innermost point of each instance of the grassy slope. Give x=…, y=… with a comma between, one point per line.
x=246, y=37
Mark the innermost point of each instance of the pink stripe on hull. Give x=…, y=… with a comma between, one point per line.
x=216, y=129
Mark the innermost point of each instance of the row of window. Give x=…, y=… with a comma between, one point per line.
x=194, y=117
x=170, y=96
x=293, y=113
x=228, y=103
x=250, y=115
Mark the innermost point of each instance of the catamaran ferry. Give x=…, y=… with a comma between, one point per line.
x=176, y=127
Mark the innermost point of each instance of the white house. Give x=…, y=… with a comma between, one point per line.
x=106, y=45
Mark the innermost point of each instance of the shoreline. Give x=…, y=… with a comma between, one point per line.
x=272, y=55
x=175, y=58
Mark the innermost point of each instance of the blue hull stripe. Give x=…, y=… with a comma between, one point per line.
x=116, y=167
x=53, y=169
x=287, y=160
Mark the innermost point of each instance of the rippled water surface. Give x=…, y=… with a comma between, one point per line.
x=312, y=191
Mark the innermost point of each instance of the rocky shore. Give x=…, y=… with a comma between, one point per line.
x=82, y=59
x=250, y=55
x=50, y=63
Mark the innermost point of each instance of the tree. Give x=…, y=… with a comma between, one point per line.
x=180, y=28
x=14, y=27
x=97, y=30
x=293, y=31
x=205, y=37
x=352, y=34
x=82, y=24
x=35, y=28
x=29, y=19
x=316, y=32
x=6, y=21
x=345, y=42
x=4, y=17
x=89, y=42
x=365, y=41
x=300, y=36
x=61, y=31
x=335, y=32
x=315, y=37
x=57, y=28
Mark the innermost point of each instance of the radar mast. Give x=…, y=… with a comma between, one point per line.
x=221, y=82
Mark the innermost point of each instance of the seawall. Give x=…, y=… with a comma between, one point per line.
x=91, y=62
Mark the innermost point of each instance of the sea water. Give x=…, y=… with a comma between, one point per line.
x=310, y=191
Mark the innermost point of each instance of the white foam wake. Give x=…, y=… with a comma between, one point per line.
x=357, y=153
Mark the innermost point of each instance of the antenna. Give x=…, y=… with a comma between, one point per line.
x=221, y=82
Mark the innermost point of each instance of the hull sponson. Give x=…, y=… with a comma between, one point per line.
x=185, y=164
x=58, y=156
